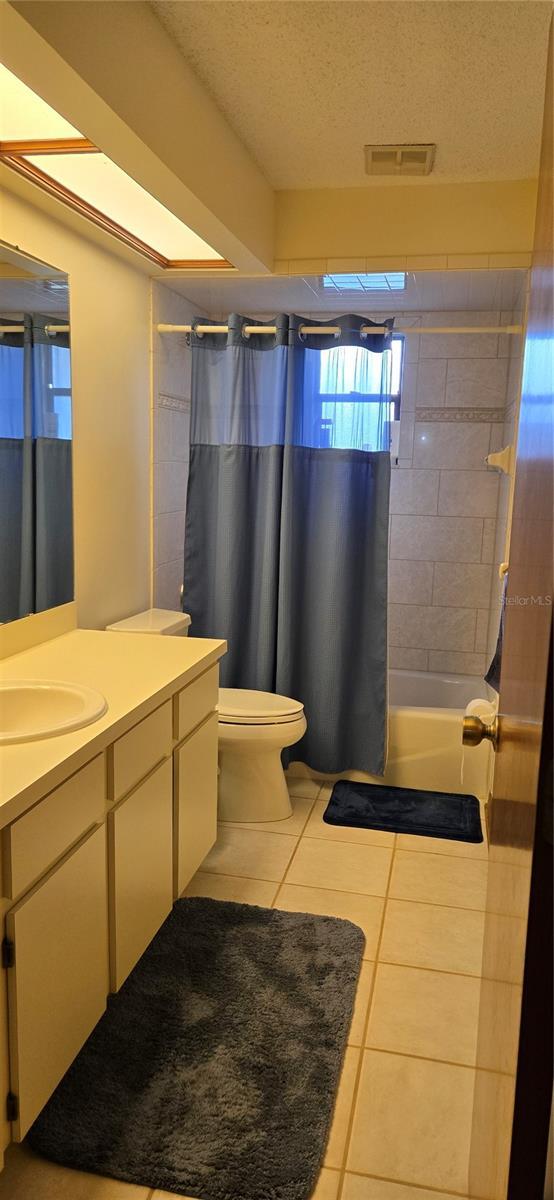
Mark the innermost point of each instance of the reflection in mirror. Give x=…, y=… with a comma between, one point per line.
x=36, y=519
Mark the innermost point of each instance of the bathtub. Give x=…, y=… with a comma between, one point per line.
x=425, y=750
x=425, y=733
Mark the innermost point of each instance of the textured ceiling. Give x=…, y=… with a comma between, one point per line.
x=426, y=291
x=306, y=84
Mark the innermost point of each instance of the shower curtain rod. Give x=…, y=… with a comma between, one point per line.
x=51, y=330
x=330, y=330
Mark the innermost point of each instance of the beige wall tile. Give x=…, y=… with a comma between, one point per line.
x=399, y=1128
x=437, y=879
x=451, y=444
x=459, y=662
x=482, y=631
x=426, y=935
x=172, y=487
x=409, y=380
x=462, y=584
x=404, y=658
x=170, y=537
x=249, y=853
x=431, y=628
x=230, y=887
x=468, y=493
x=342, y=866
x=489, y=537
x=339, y=1129
x=414, y=491
x=476, y=382
x=431, y=382
x=427, y=1013
x=365, y=911
x=410, y=582
x=318, y=828
x=436, y=539
x=168, y=578
x=459, y=345
x=406, y=439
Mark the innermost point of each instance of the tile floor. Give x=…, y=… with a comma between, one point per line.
x=402, y=1120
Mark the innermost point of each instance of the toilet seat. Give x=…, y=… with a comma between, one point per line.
x=238, y=706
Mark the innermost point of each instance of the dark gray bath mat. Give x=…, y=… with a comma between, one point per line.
x=214, y=1071
x=405, y=810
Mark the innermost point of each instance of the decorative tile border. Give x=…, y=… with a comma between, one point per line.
x=178, y=403
x=485, y=415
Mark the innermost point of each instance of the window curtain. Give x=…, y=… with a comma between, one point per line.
x=287, y=524
x=36, y=526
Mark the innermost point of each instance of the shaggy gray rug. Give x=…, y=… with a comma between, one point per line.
x=214, y=1071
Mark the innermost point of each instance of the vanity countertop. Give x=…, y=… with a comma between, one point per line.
x=135, y=674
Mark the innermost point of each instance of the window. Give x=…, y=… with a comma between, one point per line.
x=351, y=389
x=382, y=281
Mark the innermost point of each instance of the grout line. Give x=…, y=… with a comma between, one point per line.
x=356, y=1089
x=416, y=1186
x=447, y=1062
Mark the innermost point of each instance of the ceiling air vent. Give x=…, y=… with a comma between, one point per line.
x=399, y=160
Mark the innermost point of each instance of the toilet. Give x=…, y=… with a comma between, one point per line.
x=254, y=727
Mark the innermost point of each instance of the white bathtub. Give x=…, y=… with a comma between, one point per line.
x=425, y=750
x=425, y=733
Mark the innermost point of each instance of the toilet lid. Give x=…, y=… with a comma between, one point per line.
x=238, y=706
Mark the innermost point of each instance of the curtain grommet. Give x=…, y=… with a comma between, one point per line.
x=244, y=333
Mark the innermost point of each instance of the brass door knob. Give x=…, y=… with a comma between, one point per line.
x=474, y=730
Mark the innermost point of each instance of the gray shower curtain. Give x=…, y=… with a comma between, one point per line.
x=36, y=516
x=287, y=527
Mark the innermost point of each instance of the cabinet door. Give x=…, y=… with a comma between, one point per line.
x=195, y=801
x=140, y=833
x=58, y=984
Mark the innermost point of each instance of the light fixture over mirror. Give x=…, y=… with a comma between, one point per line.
x=39, y=144
x=36, y=511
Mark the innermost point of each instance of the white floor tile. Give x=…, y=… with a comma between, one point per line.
x=343, y=1105
x=412, y=1121
x=28, y=1177
x=318, y=828
x=342, y=866
x=360, y=1187
x=302, y=785
x=427, y=1013
x=365, y=911
x=232, y=887
x=301, y=808
x=356, y=1034
x=247, y=852
x=436, y=879
x=426, y=935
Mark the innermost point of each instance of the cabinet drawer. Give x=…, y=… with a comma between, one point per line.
x=195, y=702
x=57, y=986
x=195, y=799
x=33, y=843
x=134, y=754
x=140, y=858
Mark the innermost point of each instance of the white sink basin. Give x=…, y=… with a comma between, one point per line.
x=38, y=708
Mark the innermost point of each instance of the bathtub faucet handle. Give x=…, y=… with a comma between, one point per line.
x=474, y=730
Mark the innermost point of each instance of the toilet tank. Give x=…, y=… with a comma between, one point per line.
x=154, y=620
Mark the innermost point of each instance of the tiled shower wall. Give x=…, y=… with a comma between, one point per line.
x=448, y=509
x=171, y=442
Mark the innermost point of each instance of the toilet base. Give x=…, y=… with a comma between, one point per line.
x=252, y=786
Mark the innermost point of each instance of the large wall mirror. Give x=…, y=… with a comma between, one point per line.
x=36, y=513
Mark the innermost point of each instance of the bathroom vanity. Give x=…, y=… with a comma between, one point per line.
x=100, y=830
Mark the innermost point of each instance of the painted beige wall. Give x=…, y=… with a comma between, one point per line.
x=110, y=362
x=423, y=219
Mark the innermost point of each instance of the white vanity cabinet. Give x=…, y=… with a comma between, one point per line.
x=89, y=873
x=58, y=982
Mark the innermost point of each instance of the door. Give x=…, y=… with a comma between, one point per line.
x=140, y=857
x=195, y=794
x=514, y=1061
x=58, y=983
